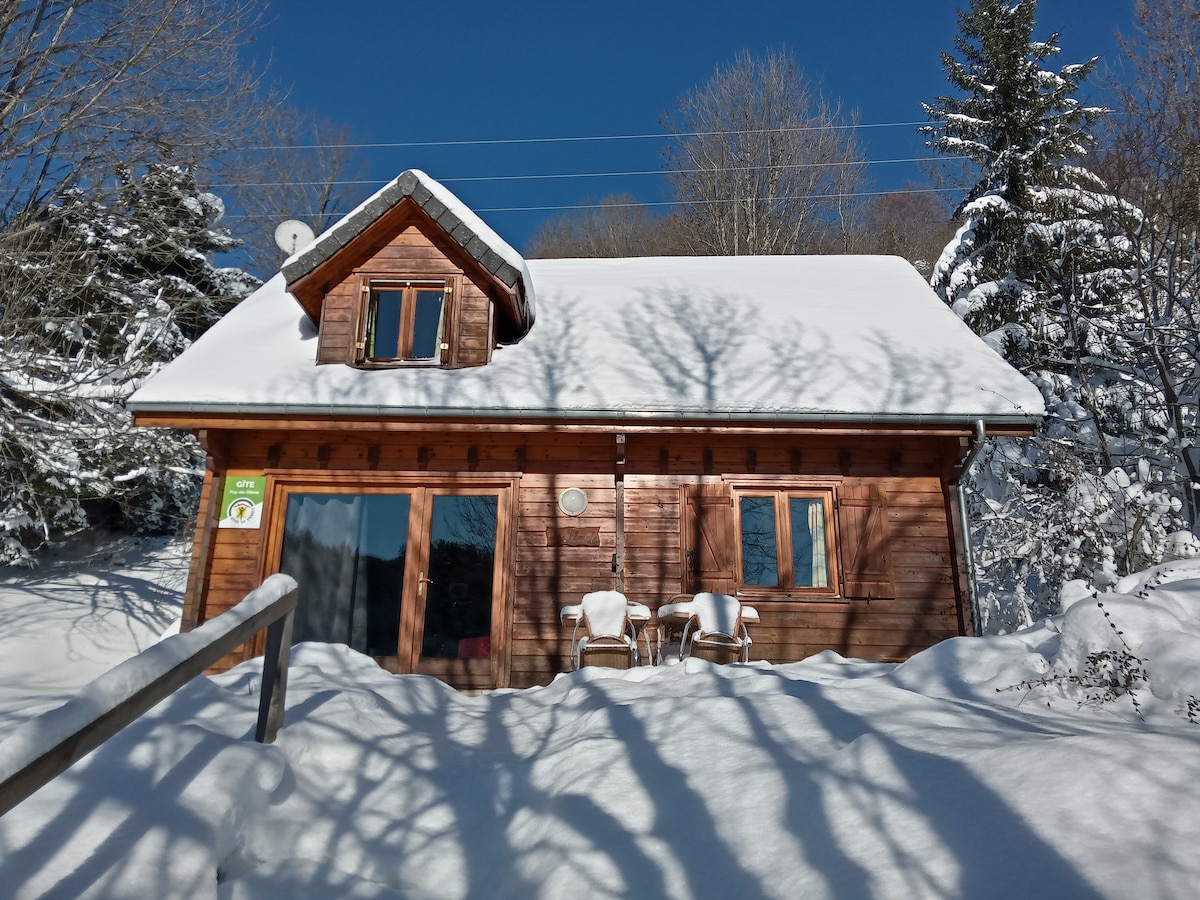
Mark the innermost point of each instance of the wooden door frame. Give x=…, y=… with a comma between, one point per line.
x=422, y=486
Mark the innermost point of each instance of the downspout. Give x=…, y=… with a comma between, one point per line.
x=965, y=526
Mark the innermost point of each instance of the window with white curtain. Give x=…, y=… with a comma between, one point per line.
x=784, y=539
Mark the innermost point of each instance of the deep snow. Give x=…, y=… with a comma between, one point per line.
x=826, y=778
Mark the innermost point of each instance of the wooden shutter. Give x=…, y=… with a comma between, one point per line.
x=338, y=333
x=864, y=538
x=708, y=538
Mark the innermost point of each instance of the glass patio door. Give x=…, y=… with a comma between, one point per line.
x=409, y=576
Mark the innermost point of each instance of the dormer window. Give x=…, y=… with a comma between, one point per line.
x=410, y=279
x=404, y=322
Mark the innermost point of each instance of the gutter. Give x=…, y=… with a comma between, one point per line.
x=965, y=526
x=342, y=410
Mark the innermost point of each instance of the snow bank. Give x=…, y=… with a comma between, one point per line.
x=819, y=779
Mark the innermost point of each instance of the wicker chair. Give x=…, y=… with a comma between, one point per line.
x=603, y=634
x=715, y=631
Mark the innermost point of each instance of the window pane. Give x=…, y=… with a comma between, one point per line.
x=427, y=325
x=809, y=565
x=346, y=551
x=383, y=325
x=760, y=566
x=462, y=555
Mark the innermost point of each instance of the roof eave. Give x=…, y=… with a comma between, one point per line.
x=641, y=416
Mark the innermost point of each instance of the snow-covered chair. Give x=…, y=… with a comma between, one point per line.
x=604, y=634
x=716, y=630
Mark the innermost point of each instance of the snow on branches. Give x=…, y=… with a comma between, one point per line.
x=1046, y=267
x=95, y=297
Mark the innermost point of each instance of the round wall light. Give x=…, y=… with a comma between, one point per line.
x=572, y=501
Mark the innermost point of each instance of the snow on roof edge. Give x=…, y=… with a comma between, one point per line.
x=620, y=415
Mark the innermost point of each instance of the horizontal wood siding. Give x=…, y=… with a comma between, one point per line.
x=558, y=558
x=234, y=570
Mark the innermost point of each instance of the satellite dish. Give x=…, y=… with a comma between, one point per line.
x=293, y=236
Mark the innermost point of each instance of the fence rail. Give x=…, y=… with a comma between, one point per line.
x=43, y=748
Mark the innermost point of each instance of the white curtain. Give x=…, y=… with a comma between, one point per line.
x=816, y=527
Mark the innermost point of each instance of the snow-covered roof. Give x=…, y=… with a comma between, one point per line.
x=778, y=338
x=457, y=219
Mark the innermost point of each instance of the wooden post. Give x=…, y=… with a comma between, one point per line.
x=619, y=480
x=274, y=679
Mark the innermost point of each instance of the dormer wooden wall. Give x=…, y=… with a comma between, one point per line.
x=416, y=251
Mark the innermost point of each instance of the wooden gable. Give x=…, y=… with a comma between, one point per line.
x=403, y=244
x=406, y=232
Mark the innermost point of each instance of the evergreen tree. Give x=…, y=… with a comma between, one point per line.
x=1042, y=268
x=1021, y=125
x=95, y=298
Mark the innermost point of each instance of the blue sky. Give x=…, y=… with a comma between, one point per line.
x=399, y=72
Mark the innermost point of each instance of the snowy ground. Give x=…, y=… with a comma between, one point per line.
x=85, y=608
x=827, y=778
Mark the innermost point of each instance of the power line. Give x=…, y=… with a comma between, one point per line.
x=635, y=204
x=836, y=196
x=575, y=139
x=619, y=174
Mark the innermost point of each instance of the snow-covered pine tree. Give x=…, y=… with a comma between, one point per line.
x=1020, y=124
x=95, y=296
x=1041, y=267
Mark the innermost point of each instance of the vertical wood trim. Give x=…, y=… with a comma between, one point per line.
x=504, y=591
x=412, y=593
x=619, y=551
x=783, y=540
x=619, y=485
x=206, y=521
x=270, y=544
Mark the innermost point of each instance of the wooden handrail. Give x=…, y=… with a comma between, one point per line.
x=45, y=747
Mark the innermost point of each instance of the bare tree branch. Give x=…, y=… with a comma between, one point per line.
x=760, y=160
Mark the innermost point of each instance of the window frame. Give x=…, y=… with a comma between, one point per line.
x=781, y=493
x=408, y=287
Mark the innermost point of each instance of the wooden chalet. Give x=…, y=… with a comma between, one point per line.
x=446, y=444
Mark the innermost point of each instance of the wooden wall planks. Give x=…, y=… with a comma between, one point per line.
x=558, y=558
